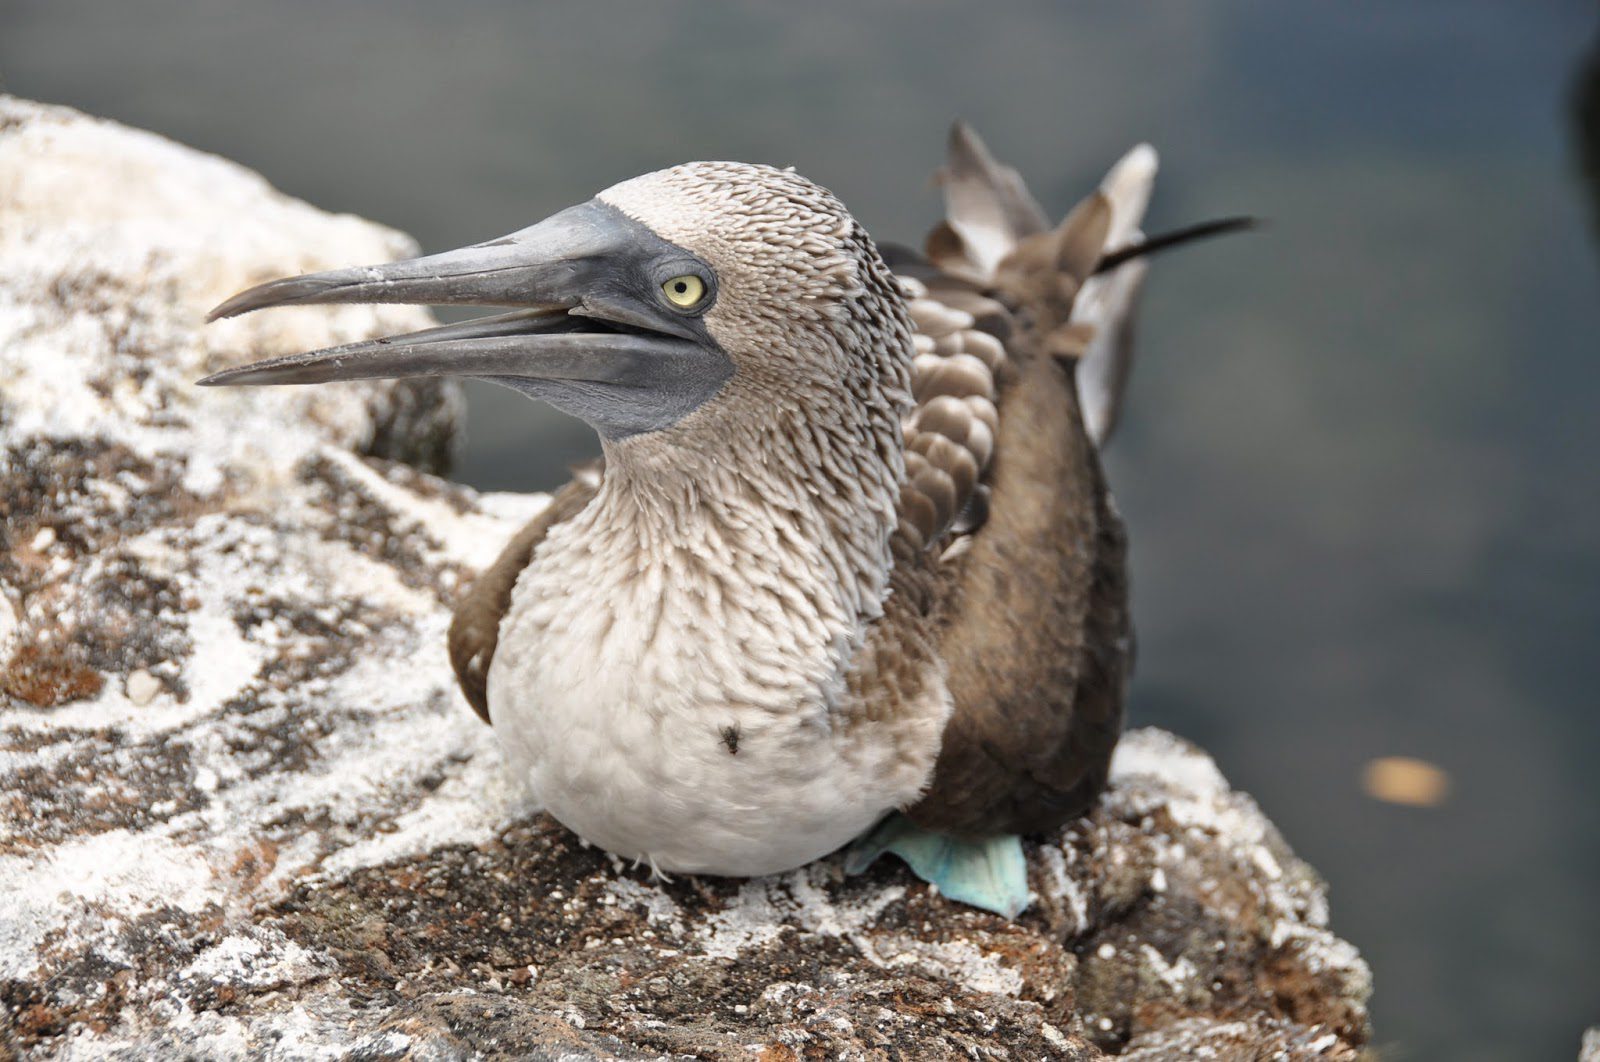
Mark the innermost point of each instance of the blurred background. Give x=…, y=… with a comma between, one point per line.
x=1361, y=458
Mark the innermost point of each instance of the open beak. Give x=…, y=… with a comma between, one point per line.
x=535, y=345
x=588, y=313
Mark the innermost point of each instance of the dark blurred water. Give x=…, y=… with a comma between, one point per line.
x=1360, y=460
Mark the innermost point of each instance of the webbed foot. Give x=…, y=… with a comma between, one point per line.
x=990, y=873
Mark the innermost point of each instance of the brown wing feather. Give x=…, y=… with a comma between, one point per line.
x=1005, y=488
x=475, y=627
x=1034, y=629
x=988, y=207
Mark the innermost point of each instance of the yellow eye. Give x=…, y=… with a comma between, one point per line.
x=684, y=291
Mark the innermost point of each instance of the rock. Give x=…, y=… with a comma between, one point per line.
x=247, y=813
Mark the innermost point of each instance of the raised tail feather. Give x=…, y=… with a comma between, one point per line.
x=995, y=235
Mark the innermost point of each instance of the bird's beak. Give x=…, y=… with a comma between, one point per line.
x=587, y=283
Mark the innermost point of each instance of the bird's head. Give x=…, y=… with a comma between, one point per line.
x=670, y=302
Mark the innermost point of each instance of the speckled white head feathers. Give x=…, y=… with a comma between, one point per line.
x=770, y=234
x=803, y=298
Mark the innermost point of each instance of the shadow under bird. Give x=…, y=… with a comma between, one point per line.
x=849, y=570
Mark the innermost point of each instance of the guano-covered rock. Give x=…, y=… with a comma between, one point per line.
x=245, y=813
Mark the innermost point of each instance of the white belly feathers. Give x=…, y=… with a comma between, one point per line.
x=685, y=718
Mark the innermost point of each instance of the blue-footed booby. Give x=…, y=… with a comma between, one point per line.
x=849, y=570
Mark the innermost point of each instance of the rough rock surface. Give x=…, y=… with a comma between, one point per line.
x=245, y=812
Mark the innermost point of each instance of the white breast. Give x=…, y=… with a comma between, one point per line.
x=672, y=710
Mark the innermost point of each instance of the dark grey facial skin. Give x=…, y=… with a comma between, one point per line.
x=597, y=337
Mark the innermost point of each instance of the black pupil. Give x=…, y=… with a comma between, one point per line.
x=680, y=287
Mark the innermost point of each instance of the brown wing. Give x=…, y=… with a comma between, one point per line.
x=475, y=627
x=1004, y=487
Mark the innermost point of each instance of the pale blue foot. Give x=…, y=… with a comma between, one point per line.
x=991, y=873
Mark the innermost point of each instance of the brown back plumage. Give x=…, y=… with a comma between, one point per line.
x=1003, y=507
x=1032, y=610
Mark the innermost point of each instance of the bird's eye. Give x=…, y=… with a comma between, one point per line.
x=685, y=291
